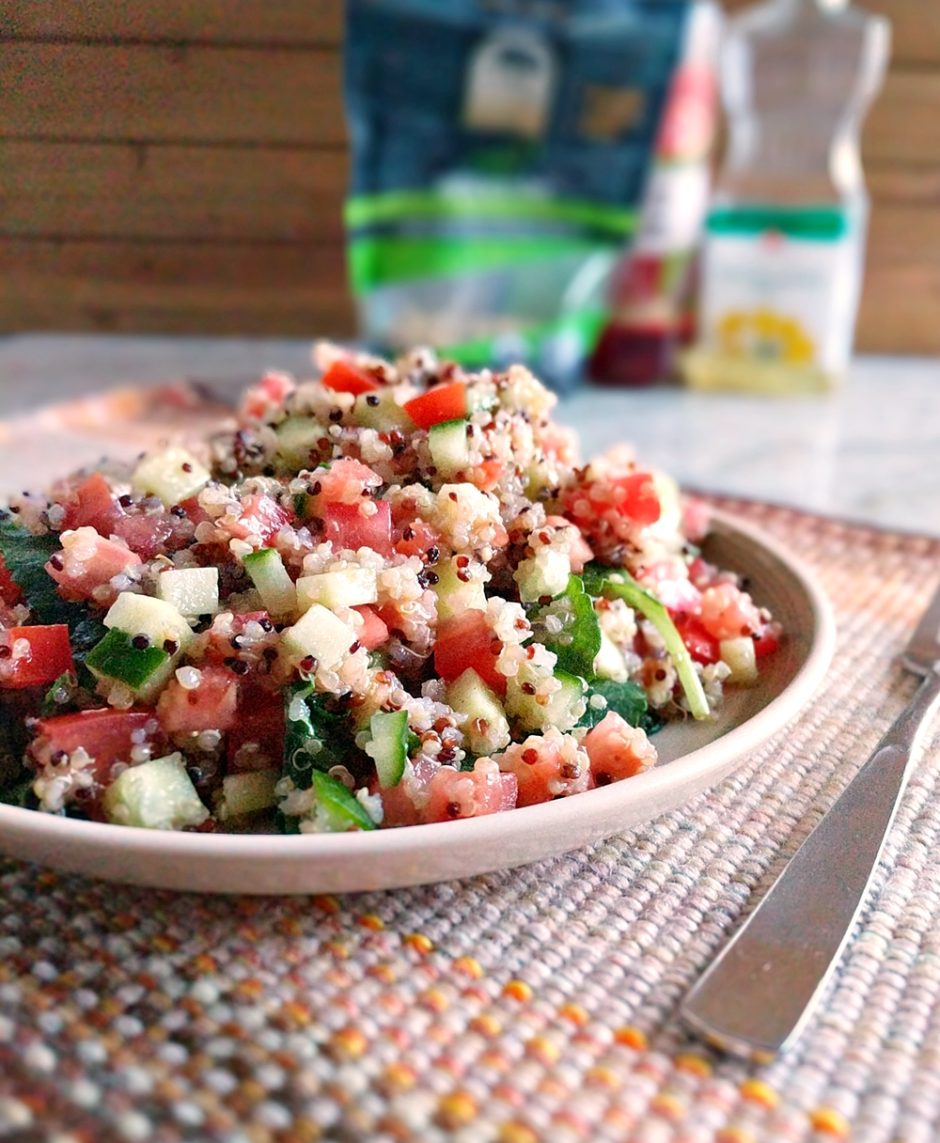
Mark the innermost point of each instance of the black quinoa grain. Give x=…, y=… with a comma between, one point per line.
x=140, y=642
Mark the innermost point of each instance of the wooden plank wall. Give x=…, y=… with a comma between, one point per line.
x=180, y=166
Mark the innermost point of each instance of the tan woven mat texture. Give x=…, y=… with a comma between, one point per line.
x=537, y=1004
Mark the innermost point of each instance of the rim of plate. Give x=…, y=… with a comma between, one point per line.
x=699, y=762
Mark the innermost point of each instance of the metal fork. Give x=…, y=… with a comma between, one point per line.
x=757, y=995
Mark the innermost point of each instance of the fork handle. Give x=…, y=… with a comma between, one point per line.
x=757, y=994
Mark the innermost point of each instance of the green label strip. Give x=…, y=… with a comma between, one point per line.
x=810, y=223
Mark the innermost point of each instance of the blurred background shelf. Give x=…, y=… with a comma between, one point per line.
x=169, y=168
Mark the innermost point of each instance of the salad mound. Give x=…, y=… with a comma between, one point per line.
x=385, y=597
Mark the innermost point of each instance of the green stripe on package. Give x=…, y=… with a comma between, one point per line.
x=498, y=160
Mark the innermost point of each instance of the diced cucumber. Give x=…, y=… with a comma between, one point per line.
x=740, y=656
x=454, y=596
x=564, y=709
x=321, y=634
x=349, y=587
x=145, y=640
x=336, y=808
x=160, y=621
x=615, y=583
x=447, y=443
x=298, y=442
x=267, y=572
x=544, y=574
x=158, y=794
x=609, y=662
x=381, y=411
x=389, y=745
x=173, y=475
x=487, y=728
x=192, y=591
x=143, y=669
x=248, y=793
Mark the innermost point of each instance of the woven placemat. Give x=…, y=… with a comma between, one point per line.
x=532, y=1005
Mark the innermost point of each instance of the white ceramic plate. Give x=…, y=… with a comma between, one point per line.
x=692, y=757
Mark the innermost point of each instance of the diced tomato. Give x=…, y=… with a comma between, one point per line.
x=467, y=641
x=543, y=769
x=34, y=655
x=346, y=526
x=145, y=535
x=668, y=579
x=728, y=612
x=373, y=632
x=194, y=510
x=9, y=590
x=768, y=639
x=487, y=474
x=211, y=705
x=702, y=646
x=344, y=482
x=702, y=573
x=638, y=498
x=268, y=394
x=261, y=518
x=454, y=794
x=87, y=561
x=107, y=735
x=256, y=740
x=444, y=794
x=442, y=403
x=617, y=750
x=416, y=538
x=94, y=505
x=342, y=377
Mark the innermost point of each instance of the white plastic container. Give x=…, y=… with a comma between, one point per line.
x=783, y=254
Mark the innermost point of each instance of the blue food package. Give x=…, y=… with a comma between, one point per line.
x=500, y=150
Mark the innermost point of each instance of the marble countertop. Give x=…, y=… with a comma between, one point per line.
x=869, y=452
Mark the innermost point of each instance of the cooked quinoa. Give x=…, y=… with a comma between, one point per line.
x=389, y=596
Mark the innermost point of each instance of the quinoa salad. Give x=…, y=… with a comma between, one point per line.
x=390, y=596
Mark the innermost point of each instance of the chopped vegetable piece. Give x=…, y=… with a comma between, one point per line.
x=117, y=657
x=442, y=403
x=335, y=809
x=389, y=745
x=628, y=699
x=579, y=641
x=343, y=377
x=173, y=475
x=466, y=641
x=158, y=794
x=349, y=526
x=267, y=572
x=247, y=794
x=192, y=591
x=618, y=584
x=33, y=656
